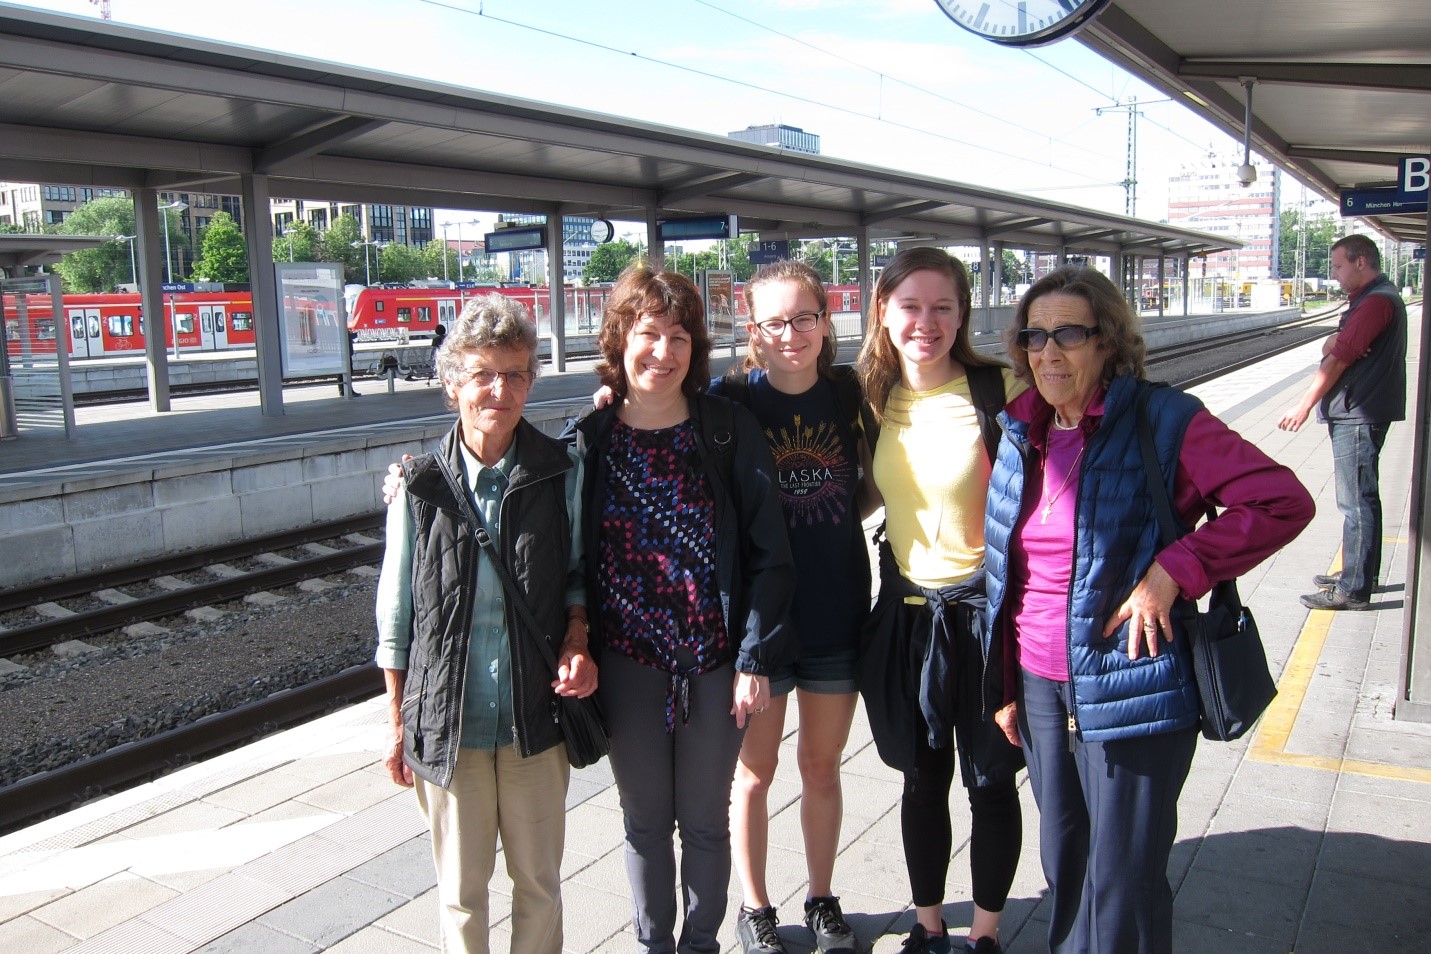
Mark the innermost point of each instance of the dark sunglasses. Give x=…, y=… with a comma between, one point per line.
x=1067, y=337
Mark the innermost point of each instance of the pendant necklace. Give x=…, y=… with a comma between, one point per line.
x=1053, y=498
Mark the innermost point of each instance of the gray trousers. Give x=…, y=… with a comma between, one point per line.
x=679, y=779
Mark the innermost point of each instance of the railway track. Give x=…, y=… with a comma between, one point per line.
x=120, y=610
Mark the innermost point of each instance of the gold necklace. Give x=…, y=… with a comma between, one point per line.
x=1072, y=469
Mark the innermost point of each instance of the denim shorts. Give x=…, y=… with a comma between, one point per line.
x=830, y=673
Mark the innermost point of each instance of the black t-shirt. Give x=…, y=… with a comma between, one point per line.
x=817, y=461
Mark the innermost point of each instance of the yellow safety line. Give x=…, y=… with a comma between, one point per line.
x=1269, y=744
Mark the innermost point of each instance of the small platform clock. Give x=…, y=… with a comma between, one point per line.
x=1022, y=22
x=602, y=231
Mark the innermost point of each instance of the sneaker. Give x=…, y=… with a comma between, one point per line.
x=757, y=929
x=827, y=922
x=985, y=945
x=1333, y=600
x=919, y=942
x=1326, y=581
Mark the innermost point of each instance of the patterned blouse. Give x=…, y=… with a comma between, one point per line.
x=661, y=602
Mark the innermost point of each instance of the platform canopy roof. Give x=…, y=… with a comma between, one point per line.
x=19, y=250
x=91, y=103
x=1343, y=87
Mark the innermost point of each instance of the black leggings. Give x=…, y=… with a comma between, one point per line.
x=995, y=839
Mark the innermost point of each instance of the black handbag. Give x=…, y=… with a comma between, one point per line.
x=1234, y=685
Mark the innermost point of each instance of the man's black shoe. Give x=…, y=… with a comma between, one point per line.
x=757, y=931
x=1327, y=580
x=1333, y=600
x=827, y=922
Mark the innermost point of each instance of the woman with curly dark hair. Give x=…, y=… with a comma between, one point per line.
x=689, y=576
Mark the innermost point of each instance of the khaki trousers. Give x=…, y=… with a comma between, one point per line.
x=522, y=800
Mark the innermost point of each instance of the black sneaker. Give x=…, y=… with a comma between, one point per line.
x=1326, y=581
x=985, y=945
x=1333, y=599
x=920, y=942
x=827, y=922
x=757, y=931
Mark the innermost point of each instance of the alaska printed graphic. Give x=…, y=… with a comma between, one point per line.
x=814, y=472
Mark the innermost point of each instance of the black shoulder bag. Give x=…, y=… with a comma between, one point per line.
x=1234, y=685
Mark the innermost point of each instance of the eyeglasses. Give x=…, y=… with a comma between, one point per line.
x=775, y=327
x=486, y=377
x=1067, y=337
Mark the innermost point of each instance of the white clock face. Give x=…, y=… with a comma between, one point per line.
x=602, y=231
x=1021, y=22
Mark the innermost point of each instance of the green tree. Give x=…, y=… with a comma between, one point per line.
x=609, y=260
x=102, y=268
x=439, y=260
x=401, y=263
x=1321, y=233
x=299, y=242
x=336, y=245
x=223, y=255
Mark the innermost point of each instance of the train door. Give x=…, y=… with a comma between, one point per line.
x=85, y=338
x=213, y=327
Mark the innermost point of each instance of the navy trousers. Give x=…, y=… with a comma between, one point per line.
x=1108, y=813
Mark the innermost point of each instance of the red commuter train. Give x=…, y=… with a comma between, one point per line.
x=114, y=324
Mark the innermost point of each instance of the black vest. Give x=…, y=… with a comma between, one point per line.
x=535, y=547
x=1372, y=390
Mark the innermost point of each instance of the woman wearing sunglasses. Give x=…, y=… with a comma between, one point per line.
x=1080, y=594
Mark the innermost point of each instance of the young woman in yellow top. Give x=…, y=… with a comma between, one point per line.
x=931, y=466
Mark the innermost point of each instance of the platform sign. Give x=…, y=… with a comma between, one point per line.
x=516, y=240
x=1418, y=254
x=697, y=227
x=1378, y=202
x=176, y=287
x=312, y=318
x=768, y=253
x=1413, y=178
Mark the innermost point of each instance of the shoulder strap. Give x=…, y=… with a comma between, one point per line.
x=484, y=539
x=850, y=398
x=735, y=386
x=986, y=390
x=718, y=435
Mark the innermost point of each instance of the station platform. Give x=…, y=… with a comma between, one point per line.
x=1311, y=835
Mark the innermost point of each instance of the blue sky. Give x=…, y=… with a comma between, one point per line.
x=890, y=83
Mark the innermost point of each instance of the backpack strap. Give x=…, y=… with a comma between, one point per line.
x=735, y=386
x=850, y=398
x=718, y=435
x=986, y=389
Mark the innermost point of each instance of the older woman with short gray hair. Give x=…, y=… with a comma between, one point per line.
x=469, y=693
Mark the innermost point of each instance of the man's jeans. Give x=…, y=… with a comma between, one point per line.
x=1356, y=458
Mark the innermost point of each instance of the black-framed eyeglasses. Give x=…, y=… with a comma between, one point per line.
x=486, y=377
x=1066, y=337
x=775, y=327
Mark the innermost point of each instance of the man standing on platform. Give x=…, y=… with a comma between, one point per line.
x=1359, y=390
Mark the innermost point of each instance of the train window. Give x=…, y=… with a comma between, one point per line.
x=218, y=321
x=378, y=305
x=241, y=321
x=185, y=324
x=121, y=326
x=207, y=322
x=141, y=324
x=12, y=329
x=404, y=316
x=77, y=326
x=44, y=329
x=93, y=324
x=424, y=313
